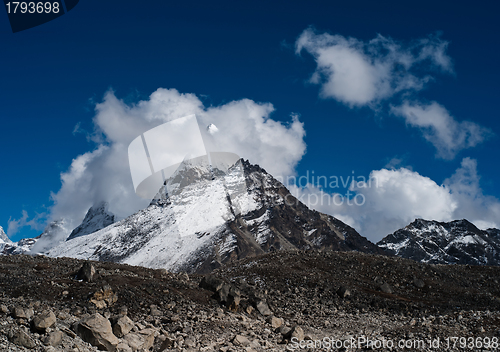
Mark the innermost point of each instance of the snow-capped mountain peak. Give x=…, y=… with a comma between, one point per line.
x=205, y=216
x=97, y=217
x=455, y=242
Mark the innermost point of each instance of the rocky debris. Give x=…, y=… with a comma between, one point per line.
x=162, y=311
x=104, y=297
x=96, y=330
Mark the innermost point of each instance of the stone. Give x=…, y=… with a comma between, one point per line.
x=241, y=340
x=4, y=309
x=343, y=292
x=274, y=322
x=418, y=283
x=44, y=320
x=211, y=283
x=142, y=340
x=22, y=313
x=123, y=347
x=87, y=272
x=154, y=311
x=386, y=288
x=104, y=297
x=190, y=342
x=97, y=331
x=123, y=326
x=295, y=332
x=21, y=338
x=167, y=343
x=53, y=339
x=263, y=308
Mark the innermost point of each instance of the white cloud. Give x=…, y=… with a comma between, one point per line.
x=36, y=223
x=360, y=73
x=395, y=197
x=244, y=127
x=438, y=127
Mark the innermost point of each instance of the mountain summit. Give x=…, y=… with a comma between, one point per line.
x=204, y=217
x=455, y=242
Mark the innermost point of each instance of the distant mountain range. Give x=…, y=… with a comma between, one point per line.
x=455, y=242
x=204, y=217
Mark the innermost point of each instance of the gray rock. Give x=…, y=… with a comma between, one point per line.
x=418, y=283
x=141, y=340
x=343, y=292
x=86, y=272
x=4, y=309
x=240, y=340
x=97, y=331
x=44, y=320
x=53, y=339
x=211, y=283
x=296, y=332
x=386, y=288
x=21, y=338
x=123, y=326
x=22, y=313
x=263, y=308
x=275, y=322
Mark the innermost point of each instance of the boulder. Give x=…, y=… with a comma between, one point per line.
x=263, y=308
x=44, y=320
x=386, y=288
x=141, y=340
x=97, y=331
x=53, y=339
x=123, y=326
x=240, y=340
x=87, y=272
x=20, y=338
x=22, y=313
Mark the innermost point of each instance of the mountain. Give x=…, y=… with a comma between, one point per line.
x=205, y=216
x=9, y=247
x=455, y=242
x=97, y=217
x=4, y=240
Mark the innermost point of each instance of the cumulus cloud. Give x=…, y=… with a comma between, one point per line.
x=439, y=128
x=390, y=199
x=244, y=127
x=35, y=223
x=360, y=73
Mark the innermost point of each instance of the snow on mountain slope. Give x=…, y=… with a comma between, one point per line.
x=204, y=217
x=4, y=240
x=456, y=242
x=97, y=217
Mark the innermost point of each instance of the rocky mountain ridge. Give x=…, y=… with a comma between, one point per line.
x=203, y=218
x=455, y=242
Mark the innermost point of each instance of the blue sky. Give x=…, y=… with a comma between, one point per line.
x=53, y=76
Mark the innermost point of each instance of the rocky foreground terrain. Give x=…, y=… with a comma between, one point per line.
x=269, y=302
